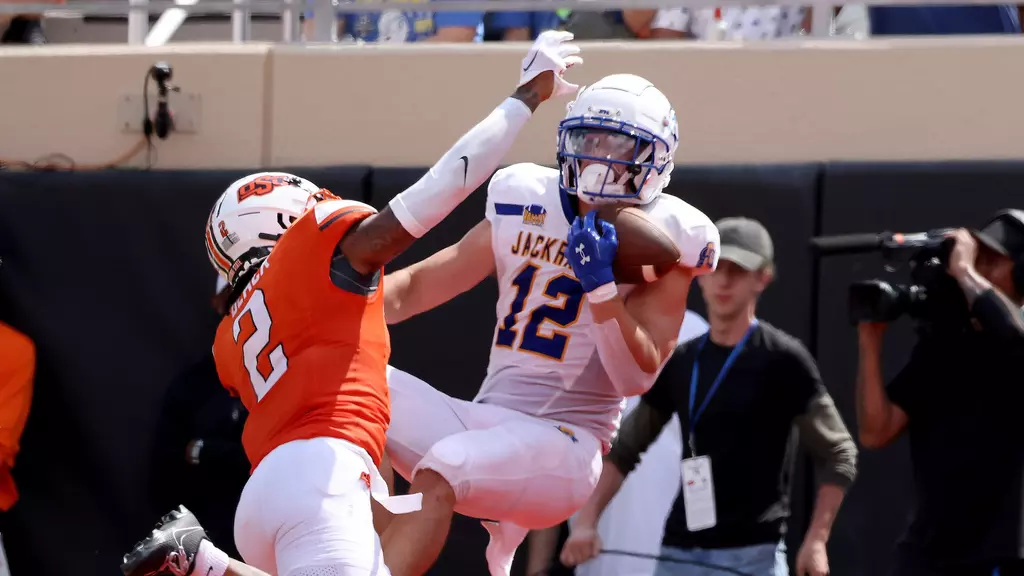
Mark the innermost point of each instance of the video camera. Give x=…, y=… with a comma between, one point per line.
x=932, y=297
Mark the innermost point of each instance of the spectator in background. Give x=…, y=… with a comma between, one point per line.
x=731, y=23
x=609, y=24
x=647, y=494
x=519, y=26
x=392, y=26
x=402, y=26
x=424, y=26
x=198, y=456
x=23, y=28
x=17, y=370
x=930, y=20
x=740, y=392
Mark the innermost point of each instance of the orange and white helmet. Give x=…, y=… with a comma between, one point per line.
x=251, y=215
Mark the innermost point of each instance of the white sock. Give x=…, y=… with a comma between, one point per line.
x=210, y=560
x=501, y=549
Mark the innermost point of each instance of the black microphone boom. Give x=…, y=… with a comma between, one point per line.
x=848, y=243
x=885, y=241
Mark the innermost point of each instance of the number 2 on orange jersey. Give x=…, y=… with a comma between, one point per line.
x=265, y=365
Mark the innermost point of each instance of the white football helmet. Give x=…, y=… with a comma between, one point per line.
x=251, y=215
x=617, y=141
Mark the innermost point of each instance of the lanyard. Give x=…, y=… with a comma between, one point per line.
x=718, y=379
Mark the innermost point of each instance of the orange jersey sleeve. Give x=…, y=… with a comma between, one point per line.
x=306, y=351
x=17, y=370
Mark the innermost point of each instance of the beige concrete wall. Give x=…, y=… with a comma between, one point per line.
x=269, y=105
x=64, y=99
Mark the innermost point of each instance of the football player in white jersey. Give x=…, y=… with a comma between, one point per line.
x=306, y=510
x=568, y=346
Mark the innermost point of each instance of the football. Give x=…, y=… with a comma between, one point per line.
x=646, y=252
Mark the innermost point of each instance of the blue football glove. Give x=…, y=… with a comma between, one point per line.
x=592, y=244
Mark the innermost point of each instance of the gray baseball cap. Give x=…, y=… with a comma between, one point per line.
x=745, y=242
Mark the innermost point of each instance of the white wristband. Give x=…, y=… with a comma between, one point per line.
x=603, y=293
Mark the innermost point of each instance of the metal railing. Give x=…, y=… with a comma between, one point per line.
x=174, y=12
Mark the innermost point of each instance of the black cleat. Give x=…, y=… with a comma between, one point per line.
x=169, y=550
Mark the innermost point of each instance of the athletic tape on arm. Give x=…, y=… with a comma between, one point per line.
x=461, y=170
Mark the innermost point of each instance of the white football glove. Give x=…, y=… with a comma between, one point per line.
x=552, y=52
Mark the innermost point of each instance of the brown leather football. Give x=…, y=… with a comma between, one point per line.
x=646, y=252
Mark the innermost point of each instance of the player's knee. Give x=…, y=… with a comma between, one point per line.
x=437, y=491
x=440, y=474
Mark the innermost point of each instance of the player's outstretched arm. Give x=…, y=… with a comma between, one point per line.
x=441, y=277
x=378, y=239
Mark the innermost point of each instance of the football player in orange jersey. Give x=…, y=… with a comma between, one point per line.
x=306, y=347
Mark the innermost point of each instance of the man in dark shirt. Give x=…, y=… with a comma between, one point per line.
x=740, y=392
x=959, y=397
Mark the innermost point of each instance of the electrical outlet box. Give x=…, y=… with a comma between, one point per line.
x=185, y=108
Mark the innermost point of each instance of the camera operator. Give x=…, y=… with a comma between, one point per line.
x=959, y=397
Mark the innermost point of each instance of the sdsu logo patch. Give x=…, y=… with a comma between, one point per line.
x=707, y=256
x=534, y=215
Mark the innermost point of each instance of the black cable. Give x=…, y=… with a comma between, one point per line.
x=659, y=558
x=147, y=122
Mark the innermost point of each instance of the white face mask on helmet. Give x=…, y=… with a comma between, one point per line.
x=251, y=215
x=617, y=141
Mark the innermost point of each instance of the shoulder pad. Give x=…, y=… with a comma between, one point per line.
x=693, y=232
x=516, y=185
x=323, y=211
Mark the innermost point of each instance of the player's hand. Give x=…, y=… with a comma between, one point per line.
x=545, y=64
x=583, y=544
x=591, y=248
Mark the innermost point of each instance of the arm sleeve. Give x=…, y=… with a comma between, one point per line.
x=639, y=430
x=1000, y=318
x=461, y=170
x=822, y=430
x=829, y=443
x=643, y=425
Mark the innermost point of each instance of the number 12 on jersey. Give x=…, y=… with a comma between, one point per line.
x=562, y=314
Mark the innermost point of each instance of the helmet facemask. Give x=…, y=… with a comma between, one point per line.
x=603, y=160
